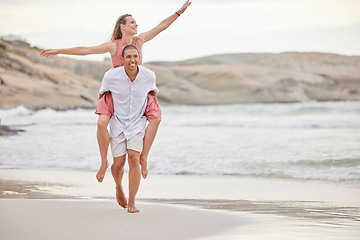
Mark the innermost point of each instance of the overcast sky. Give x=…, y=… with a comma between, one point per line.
x=207, y=27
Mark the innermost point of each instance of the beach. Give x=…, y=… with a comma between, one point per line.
x=60, y=219
x=246, y=171
x=73, y=205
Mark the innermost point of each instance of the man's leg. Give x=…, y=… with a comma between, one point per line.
x=117, y=170
x=134, y=179
x=149, y=137
x=103, y=139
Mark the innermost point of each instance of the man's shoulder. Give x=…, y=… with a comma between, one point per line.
x=146, y=72
x=114, y=72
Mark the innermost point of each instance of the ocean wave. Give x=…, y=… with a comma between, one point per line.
x=18, y=111
x=67, y=139
x=270, y=109
x=24, y=116
x=291, y=174
x=329, y=170
x=265, y=122
x=294, y=115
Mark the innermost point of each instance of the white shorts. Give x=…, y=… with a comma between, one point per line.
x=120, y=145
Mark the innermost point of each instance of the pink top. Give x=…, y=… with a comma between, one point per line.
x=116, y=59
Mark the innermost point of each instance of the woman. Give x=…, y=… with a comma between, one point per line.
x=123, y=35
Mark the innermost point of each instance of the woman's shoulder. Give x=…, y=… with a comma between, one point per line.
x=138, y=41
x=112, y=47
x=116, y=41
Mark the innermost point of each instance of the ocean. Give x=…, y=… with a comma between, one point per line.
x=305, y=141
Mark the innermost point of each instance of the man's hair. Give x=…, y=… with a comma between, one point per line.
x=127, y=48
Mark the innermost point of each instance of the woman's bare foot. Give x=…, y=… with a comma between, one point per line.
x=143, y=164
x=120, y=197
x=132, y=208
x=101, y=173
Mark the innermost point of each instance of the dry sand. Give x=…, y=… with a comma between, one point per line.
x=59, y=219
x=48, y=204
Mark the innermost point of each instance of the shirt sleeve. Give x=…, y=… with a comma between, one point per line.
x=153, y=86
x=103, y=88
x=106, y=82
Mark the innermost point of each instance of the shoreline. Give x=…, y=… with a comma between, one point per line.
x=65, y=182
x=282, y=209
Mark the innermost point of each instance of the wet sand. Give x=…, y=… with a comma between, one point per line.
x=49, y=204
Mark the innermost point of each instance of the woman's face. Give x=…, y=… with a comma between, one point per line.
x=130, y=26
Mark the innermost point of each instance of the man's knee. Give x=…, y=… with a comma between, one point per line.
x=117, y=166
x=134, y=159
x=118, y=163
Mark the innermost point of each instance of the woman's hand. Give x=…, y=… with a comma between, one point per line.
x=49, y=52
x=184, y=7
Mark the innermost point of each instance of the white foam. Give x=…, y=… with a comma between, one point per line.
x=18, y=111
x=302, y=140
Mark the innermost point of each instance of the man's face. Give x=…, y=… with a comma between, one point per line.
x=131, y=59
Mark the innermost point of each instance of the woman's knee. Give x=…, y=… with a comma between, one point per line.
x=103, y=121
x=155, y=121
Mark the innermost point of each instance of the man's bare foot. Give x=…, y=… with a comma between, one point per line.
x=132, y=208
x=101, y=173
x=120, y=197
x=143, y=164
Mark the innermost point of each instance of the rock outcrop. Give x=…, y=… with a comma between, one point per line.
x=259, y=77
x=56, y=82
x=28, y=79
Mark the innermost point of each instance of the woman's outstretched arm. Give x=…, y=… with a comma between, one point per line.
x=147, y=36
x=100, y=49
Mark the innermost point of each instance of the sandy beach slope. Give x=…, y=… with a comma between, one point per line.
x=54, y=204
x=74, y=219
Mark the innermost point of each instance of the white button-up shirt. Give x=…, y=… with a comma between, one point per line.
x=130, y=99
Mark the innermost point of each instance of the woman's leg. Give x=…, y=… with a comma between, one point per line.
x=149, y=137
x=103, y=139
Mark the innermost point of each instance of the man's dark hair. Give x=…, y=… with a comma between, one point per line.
x=128, y=47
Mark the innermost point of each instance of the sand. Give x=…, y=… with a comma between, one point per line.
x=54, y=204
x=59, y=219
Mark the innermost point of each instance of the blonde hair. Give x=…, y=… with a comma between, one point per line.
x=117, y=34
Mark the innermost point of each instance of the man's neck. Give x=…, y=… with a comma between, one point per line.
x=132, y=73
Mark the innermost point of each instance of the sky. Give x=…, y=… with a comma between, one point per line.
x=207, y=27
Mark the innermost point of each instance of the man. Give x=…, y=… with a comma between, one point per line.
x=129, y=86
